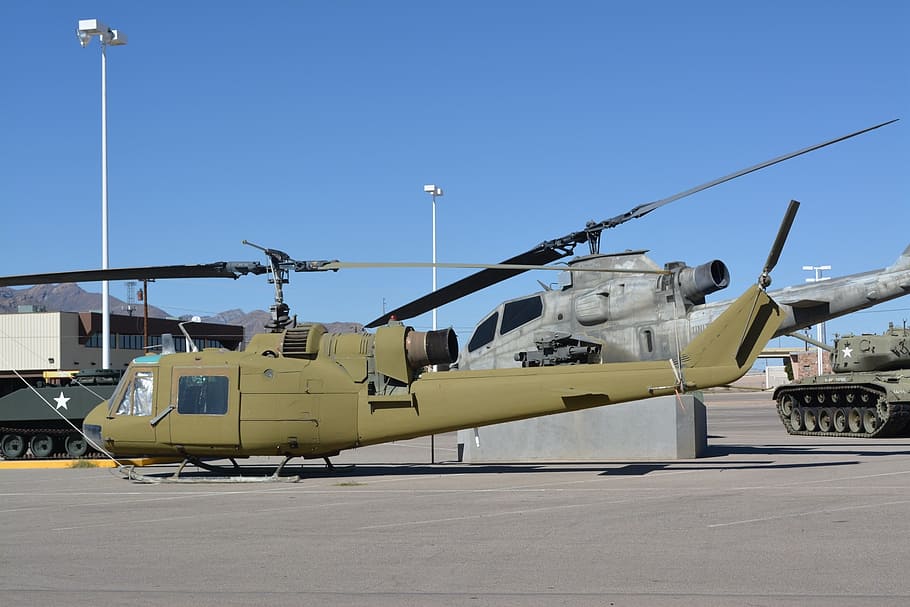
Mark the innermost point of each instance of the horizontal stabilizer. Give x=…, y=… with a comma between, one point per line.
x=802, y=303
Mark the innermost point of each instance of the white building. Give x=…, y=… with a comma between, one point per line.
x=36, y=343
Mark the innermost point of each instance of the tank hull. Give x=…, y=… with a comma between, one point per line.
x=856, y=405
x=40, y=423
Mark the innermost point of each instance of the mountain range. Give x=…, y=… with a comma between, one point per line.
x=73, y=298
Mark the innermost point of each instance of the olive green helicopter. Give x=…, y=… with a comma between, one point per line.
x=300, y=391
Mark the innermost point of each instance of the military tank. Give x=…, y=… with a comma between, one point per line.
x=29, y=428
x=866, y=396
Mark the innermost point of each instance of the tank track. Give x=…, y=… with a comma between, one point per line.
x=853, y=410
x=57, y=434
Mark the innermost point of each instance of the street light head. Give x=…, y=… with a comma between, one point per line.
x=118, y=38
x=432, y=190
x=88, y=28
x=91, y=27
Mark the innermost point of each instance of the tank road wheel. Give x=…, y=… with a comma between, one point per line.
x=825, y=420
x=796, y=419
x=75, y=445
x=12, y=446
x=811, y=419
x=870, y=422
x=42, y=445
x=855, y=420
x=883, y=409
x=840, y=420
x=786, y=405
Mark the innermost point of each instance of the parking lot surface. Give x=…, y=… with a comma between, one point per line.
x=764, y=519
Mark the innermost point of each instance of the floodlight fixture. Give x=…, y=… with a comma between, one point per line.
x=89, y=28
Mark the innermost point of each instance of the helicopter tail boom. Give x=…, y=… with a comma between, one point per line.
x=454, y=400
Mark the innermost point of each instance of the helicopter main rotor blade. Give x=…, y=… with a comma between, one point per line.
x=644, y=209
x=236, y=269
x=466, y=286
x=342, y=265
x=551, y=250
x=220, y=269
x=778, y=246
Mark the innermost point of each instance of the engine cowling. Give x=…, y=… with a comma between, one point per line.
x=696, y=282
x=400, y=350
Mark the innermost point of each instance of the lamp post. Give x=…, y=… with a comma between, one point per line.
x=88, y=29
x=433, y=191
x=820, y=327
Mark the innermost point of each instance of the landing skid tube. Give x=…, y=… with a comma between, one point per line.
x=222, y=474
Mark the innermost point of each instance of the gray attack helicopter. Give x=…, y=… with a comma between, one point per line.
x=634, y=309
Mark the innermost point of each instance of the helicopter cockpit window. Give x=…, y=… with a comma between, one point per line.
x=517, y=313
x=202, y=395
x=484, y=333
x=136, y=398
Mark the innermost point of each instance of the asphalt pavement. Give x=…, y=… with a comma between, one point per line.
x=764, y=519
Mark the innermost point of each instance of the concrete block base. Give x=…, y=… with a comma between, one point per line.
x=660, y=428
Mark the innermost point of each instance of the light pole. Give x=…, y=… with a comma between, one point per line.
x=87, y=29
x=433, y=191
x=820, y=327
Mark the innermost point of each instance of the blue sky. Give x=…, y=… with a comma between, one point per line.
x=311, y=127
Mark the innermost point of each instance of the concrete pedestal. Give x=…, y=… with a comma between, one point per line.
x=654, y=429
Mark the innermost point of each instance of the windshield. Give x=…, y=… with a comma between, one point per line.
x=134, y=393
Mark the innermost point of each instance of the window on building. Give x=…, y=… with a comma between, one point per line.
x=129, y=342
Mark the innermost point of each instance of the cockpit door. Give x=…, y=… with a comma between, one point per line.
x=206, y=408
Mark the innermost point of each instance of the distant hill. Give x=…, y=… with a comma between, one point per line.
x=254, y=322
x=66, y=298
x=73, y=298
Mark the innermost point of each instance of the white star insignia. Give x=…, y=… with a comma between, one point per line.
x=848, y=352
x=61, y=401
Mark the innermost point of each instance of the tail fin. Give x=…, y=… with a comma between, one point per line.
x=729, y=346
x=903, y=262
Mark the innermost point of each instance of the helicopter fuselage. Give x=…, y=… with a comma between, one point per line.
x=625, y=317
x=305, y=392
x=622, y=315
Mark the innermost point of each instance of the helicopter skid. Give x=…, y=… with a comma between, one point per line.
x=130, y=473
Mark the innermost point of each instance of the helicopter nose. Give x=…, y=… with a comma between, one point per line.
x=93, y=433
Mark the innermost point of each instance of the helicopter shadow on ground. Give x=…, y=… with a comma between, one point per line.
x=606, y=468
x=391, y=470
